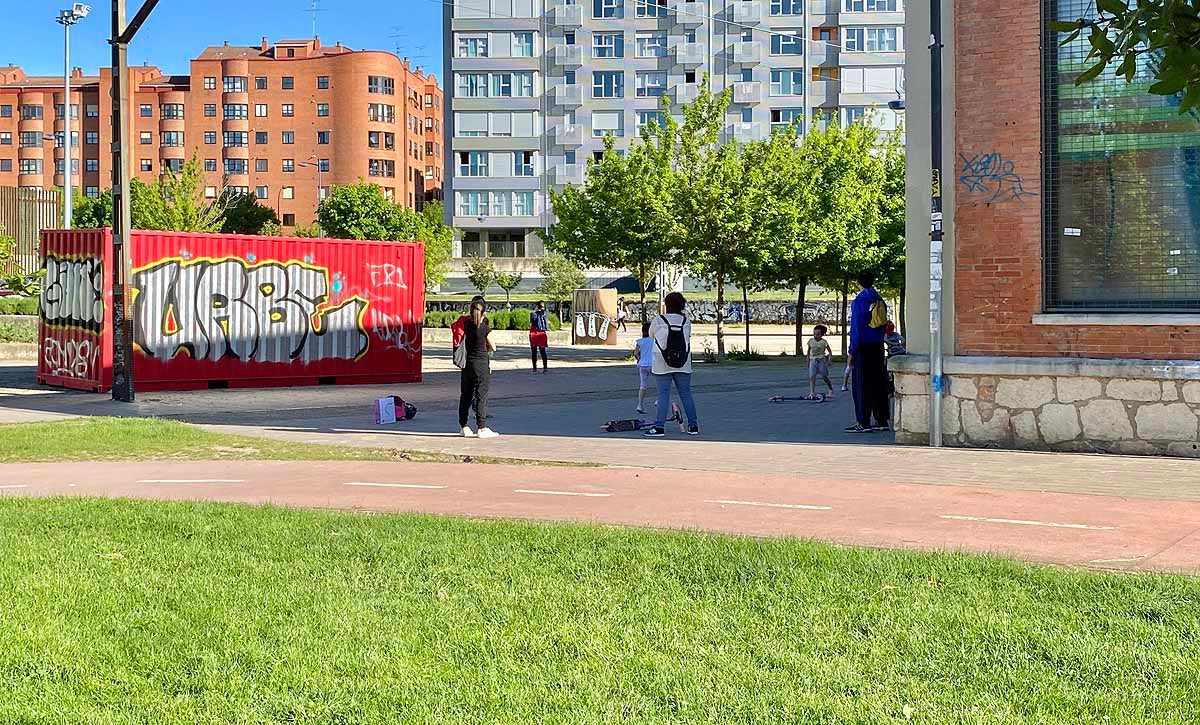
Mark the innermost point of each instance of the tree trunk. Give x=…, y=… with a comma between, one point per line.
x=800, y=316
x=845, y=316
x=900, y=311
x=746, y=317
x=720, y=317
x=642, y=289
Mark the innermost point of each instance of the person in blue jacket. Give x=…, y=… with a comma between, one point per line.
x=870, y=365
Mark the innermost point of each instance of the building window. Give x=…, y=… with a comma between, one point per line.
x=210, y=110
x=260, y=83
x=91, y=138
x=261, y=192
x=472, y=85
x=472, y=163
x=30, y=166
x=287, y=110
x=30, y=139
x=472, y=46
x=260, y=138
x=287, y=83
x=569, y=37
x=260, y=110
x=522, y=44
x=323, y=165
x=473, y=203
x=236, y=111
x=787, y=82
x=288, y=192
x=236, y=138
x=651, y=8
x=747, y=115
x=785, y=118
x=92, y=110
x=381, y=113
x=506, y=243
x=647, y=118
x=91, y=165
x=853, y=114
x=210, y=164
x=146, y=138
x=523, y=163
x=210, y=137
x=522, y=203
x=608, y=45
x=518, y=84
x=825, y=74
x=173, y=166
x=291, y=53
x=608, y=84
x=288, y=137
x=171, y=138
x=651, y=45
x=144, y=111
x=261, y=165
x=6, y=165
x=146, y=165
x=569, y=77
x=608, y=122
x=236, y=167
x=5, y=138
x=381, y=167
x=872, y=6
x=322, y=138
x=210, y=192
x=872, y=40
x=288, y=166
x=322, y=82
x=234, y=84
x=429, y=100
x=789, y=7
x=322, y=110
x=787, y=42
x=608, y=8
x=381, y=84
x=210, y=83
x=6, y=111
x=651, y=84
x=92, y=192
x=171, y=110
x=31, y=112
x=289, y=220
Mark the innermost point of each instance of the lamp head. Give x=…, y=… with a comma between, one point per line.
x=77, y=12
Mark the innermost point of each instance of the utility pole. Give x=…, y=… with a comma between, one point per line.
x=935, y=225
x=67, y=18
x=122, y=322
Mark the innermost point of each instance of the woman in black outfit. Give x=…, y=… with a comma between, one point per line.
x=477, y=375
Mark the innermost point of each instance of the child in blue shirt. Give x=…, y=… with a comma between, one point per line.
x=643, y=353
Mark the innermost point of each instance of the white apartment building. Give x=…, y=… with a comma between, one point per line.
x=533, y=86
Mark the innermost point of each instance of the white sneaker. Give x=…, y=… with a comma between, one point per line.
x=467, y=432
x=488, y=433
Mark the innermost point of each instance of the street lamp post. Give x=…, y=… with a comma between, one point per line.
x=935, y=225
x=67, y=18
x=316, y=163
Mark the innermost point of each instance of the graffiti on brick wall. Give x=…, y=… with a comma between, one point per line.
x=992, y=177
x=73, y=293
x=268, y=312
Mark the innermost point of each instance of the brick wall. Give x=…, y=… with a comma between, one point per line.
x=998, y=223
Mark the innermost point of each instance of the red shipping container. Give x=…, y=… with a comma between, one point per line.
x=230, y=310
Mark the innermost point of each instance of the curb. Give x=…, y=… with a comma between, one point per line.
x=18, y=352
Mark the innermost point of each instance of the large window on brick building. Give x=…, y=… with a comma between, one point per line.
x=1121, y=190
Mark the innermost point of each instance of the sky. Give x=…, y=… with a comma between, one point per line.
x=177, y=32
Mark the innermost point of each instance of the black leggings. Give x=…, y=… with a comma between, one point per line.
x=534, y=351
x=870, y=384
x=476, y=379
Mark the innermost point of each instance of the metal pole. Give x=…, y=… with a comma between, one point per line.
x=935, y=226
x=68, y=200
x=121, y=321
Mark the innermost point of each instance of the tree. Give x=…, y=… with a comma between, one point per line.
x=311, y=231
x=890, y=270
x=245, y=215
x=560, y=278
x=481, y=272
x=272, y=229
x=93, y=213
x=175, y=202
x=439, y=244
x=508, y=281
x=1166, y=31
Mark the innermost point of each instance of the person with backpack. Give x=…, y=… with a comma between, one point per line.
x=471, y=349
x=672, y=335
x=868, y=329
x=539, y=335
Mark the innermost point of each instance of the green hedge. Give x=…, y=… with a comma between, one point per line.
x=18, y=305
x=502, y=320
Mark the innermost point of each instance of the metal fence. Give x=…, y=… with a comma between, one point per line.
x=24, y=213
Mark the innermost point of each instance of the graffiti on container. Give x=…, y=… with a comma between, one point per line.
x=592, y=325
x=70, y=358
x=394, y=334
x=267, y=312
x=73, y=293
x=386, y=275
x=992, y=176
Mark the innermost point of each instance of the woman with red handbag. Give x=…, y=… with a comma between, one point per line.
x=538, y=339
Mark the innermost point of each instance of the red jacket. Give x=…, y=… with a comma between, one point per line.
x=458, y=331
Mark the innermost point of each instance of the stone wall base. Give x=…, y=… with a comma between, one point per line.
x=1141, y=407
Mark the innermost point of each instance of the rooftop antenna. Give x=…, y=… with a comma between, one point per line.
x=314, y=9
x=398, y=45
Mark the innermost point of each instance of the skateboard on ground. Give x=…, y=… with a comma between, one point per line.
x=627, y=424
x=799, y=399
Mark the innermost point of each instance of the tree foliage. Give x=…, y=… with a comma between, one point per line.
x=481, y=273
x=93, y=213
x=245, y=215
x=175, y=202
x=560, y=277
x=1166, y=33
x=508, y=281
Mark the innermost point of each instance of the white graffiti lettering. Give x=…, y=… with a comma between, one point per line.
x=388, y=275
x=70, y=358
x=73, y=293
x=395, y=334
x=270, y=312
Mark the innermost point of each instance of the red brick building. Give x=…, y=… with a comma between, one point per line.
x=1071, y=311
x=283, y=121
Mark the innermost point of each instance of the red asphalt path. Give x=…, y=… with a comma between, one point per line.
x=1063, y=528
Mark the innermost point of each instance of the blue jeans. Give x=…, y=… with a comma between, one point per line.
x=683, y=385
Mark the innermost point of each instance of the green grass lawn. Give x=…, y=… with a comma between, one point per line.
x=146, y=612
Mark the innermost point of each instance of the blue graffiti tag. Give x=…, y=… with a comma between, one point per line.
x=990, y=174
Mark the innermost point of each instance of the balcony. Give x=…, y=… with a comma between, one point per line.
x=745, y=132
x=747, y=53
x=568, y=54
x=689, y=53
x=823, y=52
x=747, y=12
x=747, y=92
x=568, y=16
x=687, y=14
x=568, y=174
x=568, y=95
x=684, y=93
x=568, y=134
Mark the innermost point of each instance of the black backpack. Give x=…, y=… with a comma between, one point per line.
x=675, y=354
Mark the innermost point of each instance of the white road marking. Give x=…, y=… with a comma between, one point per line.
x=560, y=493
x=390, y=485
x=16, y=485
x=191, y=480
x=1021, y=522
x=805, y=507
